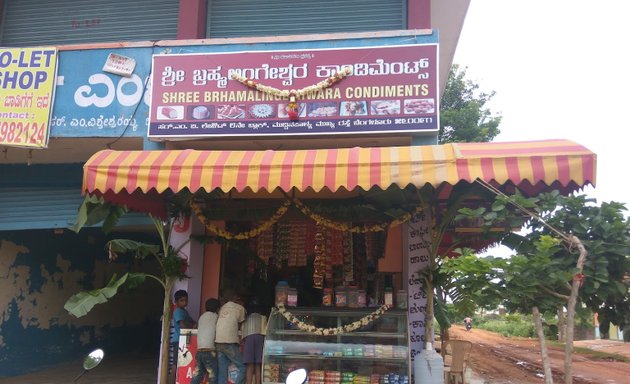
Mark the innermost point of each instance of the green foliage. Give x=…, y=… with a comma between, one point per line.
x=542, y=271
x=467, y=281
x=463, y=113
x=521, y=325
x=94, y=210
x=513, y=325
x=138, y=249
x=602, y=356
x=514, y=318
x=510, y=329
x=81, y=303
x=442, y=315
x=500, y=214
x=172, y=265
x=529, y=279
x=605, y=232
x=466, y=285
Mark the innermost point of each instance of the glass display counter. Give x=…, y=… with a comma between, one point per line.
x=376, y=353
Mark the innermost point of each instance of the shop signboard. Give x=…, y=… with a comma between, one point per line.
x=417, y=244
x=377, y=90
x=27, y=85
x=93, y=102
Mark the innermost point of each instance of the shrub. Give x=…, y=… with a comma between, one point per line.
x=510, y=328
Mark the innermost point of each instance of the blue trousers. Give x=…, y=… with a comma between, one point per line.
x=206, y=364
x=230, y=353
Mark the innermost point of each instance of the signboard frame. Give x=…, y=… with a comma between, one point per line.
x=28, y=78
x=181, y=108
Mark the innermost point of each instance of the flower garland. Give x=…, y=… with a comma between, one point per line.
x=354, y=229
x=293, y=94
x=333, y=331
x=242, y=235
x=339, y=226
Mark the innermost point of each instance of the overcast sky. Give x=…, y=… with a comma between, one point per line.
x=560, y=70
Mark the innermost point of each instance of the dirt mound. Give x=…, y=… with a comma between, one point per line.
x=502, y=360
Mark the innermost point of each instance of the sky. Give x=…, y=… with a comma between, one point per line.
x=560, y=70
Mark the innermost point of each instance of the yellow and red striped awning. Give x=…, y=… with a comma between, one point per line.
x=545, y=163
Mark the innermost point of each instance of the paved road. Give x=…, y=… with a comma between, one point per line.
x=142, y=368
x=128, y=369
x=113, y=370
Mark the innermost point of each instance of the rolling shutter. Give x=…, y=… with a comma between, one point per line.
x=57, y=22
x=49, y=208
x=45, y=196
x=38, y=208
x=234, y=18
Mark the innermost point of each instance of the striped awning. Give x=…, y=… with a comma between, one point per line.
x=533, y=164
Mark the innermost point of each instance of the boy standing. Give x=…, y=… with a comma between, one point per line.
x=254, y=330
x=231, y=315
x=181, y=319
x=206, y=356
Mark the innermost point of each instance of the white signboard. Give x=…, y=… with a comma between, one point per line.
x=119, y=65
x=417, y=245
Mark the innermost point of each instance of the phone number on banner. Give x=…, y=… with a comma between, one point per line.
x=20, y=133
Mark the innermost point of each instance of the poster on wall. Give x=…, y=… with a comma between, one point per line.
x=186, y=351
x=27, y=85
x=374, y=90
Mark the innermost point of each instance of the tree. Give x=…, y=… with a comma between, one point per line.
x=463, y=118
x=463, y=113
x=605, y=232
x=441, y=282
x=466, y=280
x=552, y=262
x=531, y=281
x=173, y=267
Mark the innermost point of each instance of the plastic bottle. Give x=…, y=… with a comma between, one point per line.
x=282, y=293
x=401, y=299
x=292, y=297
x=388, y=297
x=362, y=298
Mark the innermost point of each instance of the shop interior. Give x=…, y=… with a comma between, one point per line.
x=313, y=261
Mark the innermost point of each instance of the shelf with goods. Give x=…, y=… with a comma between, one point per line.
x=376, y=353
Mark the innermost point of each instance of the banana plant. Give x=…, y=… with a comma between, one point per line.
x=172, y=266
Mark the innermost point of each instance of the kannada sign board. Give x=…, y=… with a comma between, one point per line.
x=417, y=247
x=390, y=89
x=27, y=85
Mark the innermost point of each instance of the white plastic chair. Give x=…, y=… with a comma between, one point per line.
x=456, y=354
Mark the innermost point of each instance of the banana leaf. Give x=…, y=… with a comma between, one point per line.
x=81, y=303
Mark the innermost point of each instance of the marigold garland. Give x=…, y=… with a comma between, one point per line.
x=241, y=235
x=364, y=321
x=354, y=229
x=293, y=94
x=339, y=226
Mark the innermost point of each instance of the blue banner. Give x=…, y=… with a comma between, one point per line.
x=92, y=103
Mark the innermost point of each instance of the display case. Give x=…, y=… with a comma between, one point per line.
x=376, y=353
